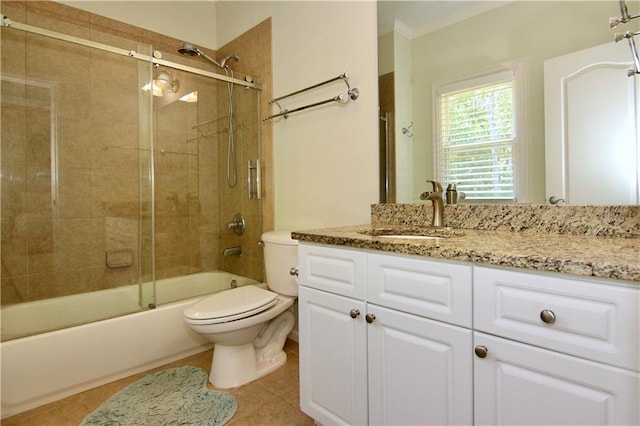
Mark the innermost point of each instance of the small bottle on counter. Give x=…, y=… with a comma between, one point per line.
x=452, y=193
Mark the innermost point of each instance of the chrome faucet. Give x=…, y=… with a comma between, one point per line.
x=437, y=201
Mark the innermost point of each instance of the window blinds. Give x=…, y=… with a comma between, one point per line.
x=476, y=136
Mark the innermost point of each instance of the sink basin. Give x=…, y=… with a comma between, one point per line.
x=410, y=237
x=413, y=233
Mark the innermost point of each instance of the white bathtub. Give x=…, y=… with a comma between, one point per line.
x=46, y=367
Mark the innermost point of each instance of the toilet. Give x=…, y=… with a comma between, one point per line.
x=249, y=325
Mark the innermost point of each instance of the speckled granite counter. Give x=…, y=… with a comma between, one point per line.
x=539, y=247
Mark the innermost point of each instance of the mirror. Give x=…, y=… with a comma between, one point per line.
x=423, y=42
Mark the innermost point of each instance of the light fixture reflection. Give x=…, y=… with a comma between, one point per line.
x=163, y=80
x=157, y=91
x=162, y=84
x=190, y=97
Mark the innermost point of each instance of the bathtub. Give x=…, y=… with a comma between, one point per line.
x=46, y=367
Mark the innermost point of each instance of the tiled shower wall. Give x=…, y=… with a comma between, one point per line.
x=55, y=236
x=254, y=48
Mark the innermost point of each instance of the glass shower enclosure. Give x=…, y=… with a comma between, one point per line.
x=113, y=175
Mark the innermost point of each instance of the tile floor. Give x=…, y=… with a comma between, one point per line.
x=271, y=400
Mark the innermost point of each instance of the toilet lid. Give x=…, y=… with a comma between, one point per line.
x=232, y=304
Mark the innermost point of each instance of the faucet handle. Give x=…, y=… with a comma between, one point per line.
x=437, y=187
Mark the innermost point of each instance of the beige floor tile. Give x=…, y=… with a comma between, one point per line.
x=276, y=412
x=69, y=411
x=272, y=400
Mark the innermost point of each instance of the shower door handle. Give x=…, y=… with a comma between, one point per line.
x=253, y=185
x=258, y=178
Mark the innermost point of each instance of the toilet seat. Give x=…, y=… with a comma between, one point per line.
x=230, y=305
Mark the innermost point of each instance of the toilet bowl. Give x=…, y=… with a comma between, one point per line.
x=249, y=325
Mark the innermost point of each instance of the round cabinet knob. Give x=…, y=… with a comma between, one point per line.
x=354, y=313
x=370, y=318
x=293, y=272
x=547, y=316
x=481, y=351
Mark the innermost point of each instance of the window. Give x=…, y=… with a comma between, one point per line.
x=476, y=135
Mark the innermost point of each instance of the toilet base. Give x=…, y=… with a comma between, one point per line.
x=234, y=366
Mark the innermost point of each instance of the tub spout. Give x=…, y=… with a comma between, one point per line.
x=232, y=251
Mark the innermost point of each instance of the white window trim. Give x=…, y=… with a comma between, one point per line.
x=520, y=148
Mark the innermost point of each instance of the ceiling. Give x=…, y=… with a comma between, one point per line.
x=416, y=18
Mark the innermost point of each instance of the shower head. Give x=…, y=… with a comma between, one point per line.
x=189, y=49
x=224, y=61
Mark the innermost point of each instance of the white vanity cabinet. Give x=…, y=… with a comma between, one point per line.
x=552, y=350
x=390, y=339
x=387, y=362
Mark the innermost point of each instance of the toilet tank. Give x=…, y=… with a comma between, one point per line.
x=280, y=256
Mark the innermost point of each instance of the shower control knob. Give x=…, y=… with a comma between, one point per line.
x=354, y=313
x=481, y=351
x=370, y=318
x=293, y=272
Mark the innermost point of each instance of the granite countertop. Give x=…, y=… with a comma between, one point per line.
x=583, y=255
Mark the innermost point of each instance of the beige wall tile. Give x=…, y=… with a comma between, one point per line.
x=13, y=246
x=13, y=129
x=15, y=289
x=74, y=195
x=97, y=196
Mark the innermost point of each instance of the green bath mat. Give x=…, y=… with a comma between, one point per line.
x=178, y=396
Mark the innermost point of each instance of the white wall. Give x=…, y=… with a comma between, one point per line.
x=326, y=159
x=385, y=53
x=188, y=20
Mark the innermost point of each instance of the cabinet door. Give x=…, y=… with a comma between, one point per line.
x=333, y=358
x=419, y=370
x=520, y=384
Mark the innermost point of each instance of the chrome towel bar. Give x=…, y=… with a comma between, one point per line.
x=352, y=94
x=624, y=18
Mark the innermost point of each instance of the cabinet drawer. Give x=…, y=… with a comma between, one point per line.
x=333, y=269
x=593, y=320
x=436, y=290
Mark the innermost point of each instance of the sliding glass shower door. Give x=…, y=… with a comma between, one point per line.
x=76, y=197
